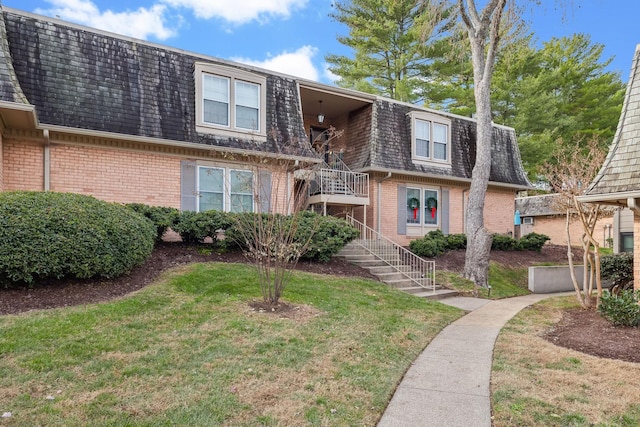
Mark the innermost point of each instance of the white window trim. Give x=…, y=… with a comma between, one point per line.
x=527, y=220
x=431, y=118
x=421, y=229
x=233, y=75
x=226, y=185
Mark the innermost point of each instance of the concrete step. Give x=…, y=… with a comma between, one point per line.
x=365, y=263
x=438, y=294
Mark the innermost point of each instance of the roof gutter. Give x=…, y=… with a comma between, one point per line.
x=441, y=177
x=179, y=144
x=621, y=198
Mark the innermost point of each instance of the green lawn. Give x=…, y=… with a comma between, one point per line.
x=505, y=282
x=188, y=350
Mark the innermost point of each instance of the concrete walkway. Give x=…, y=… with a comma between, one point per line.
x=448, y=384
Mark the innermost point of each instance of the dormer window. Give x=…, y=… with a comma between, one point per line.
x=230, y=101
x=431, y=138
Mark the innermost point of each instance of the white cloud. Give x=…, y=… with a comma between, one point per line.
x=140, y=23
x=328, y=75
x=239, y=12
x=298, y=63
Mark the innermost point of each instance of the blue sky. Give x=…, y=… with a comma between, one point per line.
x=293, y=36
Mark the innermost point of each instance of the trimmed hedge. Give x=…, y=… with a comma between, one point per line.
x=434, y=243
x=55, y=235
x=194, y=227
x=328, y=234
x=163, y=218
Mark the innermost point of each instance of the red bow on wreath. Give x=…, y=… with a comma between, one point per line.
x=432, y=205
x=414, y=204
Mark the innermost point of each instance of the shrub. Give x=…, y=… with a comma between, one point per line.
x=456, y=241
x=502, y=242
x=618, y=268
x=621, y=309
x=324, y=236
x=194, y=227
x=433, y=244
x=56, y=235
x=329, y=235
x=163, y=218
x=532, y=242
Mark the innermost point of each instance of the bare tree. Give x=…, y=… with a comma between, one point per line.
x=277, y=232
x=573, y=168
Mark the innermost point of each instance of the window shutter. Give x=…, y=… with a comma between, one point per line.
x=444, y=210
x=188, y=193
x=264, y=192
x=402, y=209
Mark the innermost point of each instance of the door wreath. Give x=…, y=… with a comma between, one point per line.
x=432, y=205
x=414, y=204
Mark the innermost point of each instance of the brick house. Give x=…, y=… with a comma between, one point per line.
x=539, y=215
x=126, y=120
x=618, y=181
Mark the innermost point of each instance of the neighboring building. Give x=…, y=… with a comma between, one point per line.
x=126, y=120
x=618, y=182
x=538, y=214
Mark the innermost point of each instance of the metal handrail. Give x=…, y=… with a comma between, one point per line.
x=409, y=265
x=336, y=178
x=333, y=181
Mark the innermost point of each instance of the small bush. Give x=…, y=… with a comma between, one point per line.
x=456, y=241
x=618, y=268
x=621, y=309
x=56, y=235
x=163, y=218
x=433, y=244
x=532, y=242
x=502, y=242
x=325, y=235
x=330, y=235
x=194, y=227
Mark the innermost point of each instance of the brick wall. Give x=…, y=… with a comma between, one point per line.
x=555, y=228
x=23, y=165
x=1, y=165
x=116, y=175
x=636, y=251
x=499, y=208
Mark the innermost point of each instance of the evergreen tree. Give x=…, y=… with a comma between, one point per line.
x=392, y=41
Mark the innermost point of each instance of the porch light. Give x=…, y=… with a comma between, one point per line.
x=320, y=115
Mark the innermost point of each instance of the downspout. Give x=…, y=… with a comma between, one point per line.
x=379, y=201
x=464, y=213
x=47, y=160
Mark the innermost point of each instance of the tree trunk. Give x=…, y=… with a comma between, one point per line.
x=484, y=33
x=476, y=266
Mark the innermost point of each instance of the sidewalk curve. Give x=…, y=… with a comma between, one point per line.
x=448, y=385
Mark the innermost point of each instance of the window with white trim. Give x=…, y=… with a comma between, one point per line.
x=430, y=138
x=225, y=189
x=230, y=101
x=422, y=206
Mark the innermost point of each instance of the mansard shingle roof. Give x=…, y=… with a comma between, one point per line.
x=620, y=172
x=86, y=79
x=391, y=147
